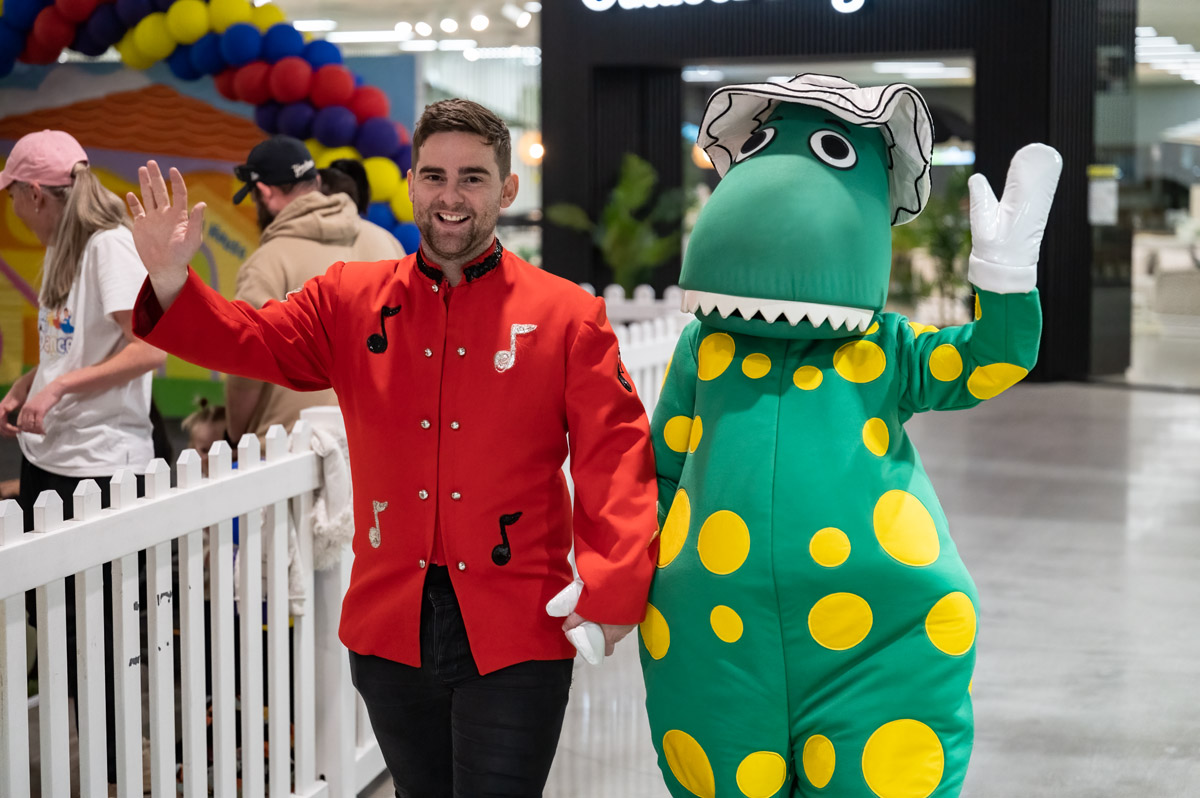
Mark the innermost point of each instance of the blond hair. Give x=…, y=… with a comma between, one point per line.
x=88, y=207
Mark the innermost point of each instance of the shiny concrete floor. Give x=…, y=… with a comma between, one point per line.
x=1077, y=509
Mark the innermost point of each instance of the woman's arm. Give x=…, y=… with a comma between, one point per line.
x=16, y=397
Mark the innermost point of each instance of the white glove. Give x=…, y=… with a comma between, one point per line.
x=1006, y=236
x=588, y=637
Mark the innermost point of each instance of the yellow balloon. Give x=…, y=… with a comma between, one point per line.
x=223, y=13
x=130, y=54
x=401, y=205
x=266, y=15
x=315, y=148
x=383, y=176
x=152, y=38
x=335, y=153
x=187, y=20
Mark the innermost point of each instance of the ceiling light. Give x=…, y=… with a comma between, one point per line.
x=479, y=22
x=367, y=36
x=947, y=72
x=472, y=54
x=448, y=25
x=702, y=75
x=314, y=25
x=423, y=28
x=457, y=44
x=404, y=27
x=418, y=45
x=533, y=7
x=897, y=67
x=516, y=16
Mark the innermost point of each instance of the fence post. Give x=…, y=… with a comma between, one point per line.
x=89, y=634
x=303, y=678
x=14, y=671
x=191, y=641
x=249, y=567
x=127, y=650
x=278, y=713
x=161, y=638
x=224, y=697
x=336, y=753
x=52, y=662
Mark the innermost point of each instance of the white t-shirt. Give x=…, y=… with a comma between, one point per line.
x=93, y=434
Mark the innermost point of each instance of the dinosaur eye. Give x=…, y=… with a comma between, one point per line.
x=758, y=140
x=833, y=149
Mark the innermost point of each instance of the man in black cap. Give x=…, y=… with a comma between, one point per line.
x=303, y=232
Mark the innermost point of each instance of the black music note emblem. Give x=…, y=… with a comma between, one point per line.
x=503, y=552
x=377, y=343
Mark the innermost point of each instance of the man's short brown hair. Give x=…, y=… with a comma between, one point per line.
x=464, y=116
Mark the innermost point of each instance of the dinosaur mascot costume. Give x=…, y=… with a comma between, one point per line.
x=811, y=627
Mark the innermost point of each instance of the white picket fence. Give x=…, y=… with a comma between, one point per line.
x=333, y=753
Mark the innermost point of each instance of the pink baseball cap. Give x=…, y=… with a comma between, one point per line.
x=45, y=158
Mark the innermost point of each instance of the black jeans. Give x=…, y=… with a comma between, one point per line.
x=447, y=732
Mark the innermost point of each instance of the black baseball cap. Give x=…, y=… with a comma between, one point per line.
x=278, y=161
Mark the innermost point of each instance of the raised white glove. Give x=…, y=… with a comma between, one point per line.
x=588, y=637
x=1006, y=236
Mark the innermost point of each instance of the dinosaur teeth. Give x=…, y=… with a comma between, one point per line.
x=838, y=316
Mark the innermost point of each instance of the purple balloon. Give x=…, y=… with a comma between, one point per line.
x=240, y=44
x=132, y=12
x=104, y=26
x=85, y=44
x=295, y=120
x=335, y=126
x=162, y=5
x=377, y=137
x=266, y=116
x=403, y=158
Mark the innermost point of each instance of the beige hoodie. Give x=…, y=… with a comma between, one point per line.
x=306, y=238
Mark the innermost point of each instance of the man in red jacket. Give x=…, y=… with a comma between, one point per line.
x=463, y=374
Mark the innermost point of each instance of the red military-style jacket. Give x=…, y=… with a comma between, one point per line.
x=459, y=411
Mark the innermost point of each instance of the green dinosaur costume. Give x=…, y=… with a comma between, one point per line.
x=811, y=627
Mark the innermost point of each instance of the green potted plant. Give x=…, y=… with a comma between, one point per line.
x=627, y=232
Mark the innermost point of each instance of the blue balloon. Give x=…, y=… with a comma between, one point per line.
x=358, y=79
x=132, y=12
x=85, y=44
x=335, y=126
x=266, y=116
x=408, y=235
x=240, y=44
x=20, y=14
x=7, y=62
x=104, y=26
x=376, y=136
x=280, y=41
x=12, y=42
x=321, y=52
x=180, y=64
x=381, y=214
x=295, y=120
x=206, y=55
x=403, y=158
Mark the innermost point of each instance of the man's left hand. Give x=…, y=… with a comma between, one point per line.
x=612, y=633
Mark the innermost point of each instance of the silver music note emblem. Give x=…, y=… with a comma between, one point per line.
x=374, y=535
x=505, y=360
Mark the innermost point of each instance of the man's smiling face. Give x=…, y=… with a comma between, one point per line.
x=457, y=192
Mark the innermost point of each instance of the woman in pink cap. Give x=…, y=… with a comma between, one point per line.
x=83, y=412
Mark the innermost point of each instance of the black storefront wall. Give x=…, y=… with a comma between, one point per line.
x=610, y=85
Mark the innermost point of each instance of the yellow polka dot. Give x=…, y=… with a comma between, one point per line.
x=666, y=372
x=808, y=378
x=716, y=353
x=829, y=547
x=689, y=764
x=655, y=632
x=874, y=328
x=840, y=621
x=971, y=687
x=951, y=624
x=697, y=432
x=905, y=528
x=724, y=542
x=819, y=760
x=875, y=436
x=726, y=623
x=761, y=774
x=756, y=365
x=978, y=309
x=945, y=363
x=920, y=329
x=988, y=381
x=903, y=759
x=676, y=433
x=859, y=361
x=675, y=529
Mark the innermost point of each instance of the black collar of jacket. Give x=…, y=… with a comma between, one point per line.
x=472, y=271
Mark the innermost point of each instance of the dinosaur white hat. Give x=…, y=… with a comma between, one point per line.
x=735, y=112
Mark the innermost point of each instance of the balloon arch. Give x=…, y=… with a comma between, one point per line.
x=254, y=55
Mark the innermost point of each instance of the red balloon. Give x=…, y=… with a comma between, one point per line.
x=402, y=132
x=291, y=79
x=368, y=102
x=251, y=83
x=332, y=85
x=224, y=83
x=52, y=30
x=76, y=10
x=36, y=52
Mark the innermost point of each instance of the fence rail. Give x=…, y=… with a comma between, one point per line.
x=298, y=678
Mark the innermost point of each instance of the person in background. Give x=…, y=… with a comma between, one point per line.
x=358, y=173
x=303, y=232
x=84, y=411
x=464, y=374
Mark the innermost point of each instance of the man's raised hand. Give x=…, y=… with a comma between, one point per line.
x=165, y=234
